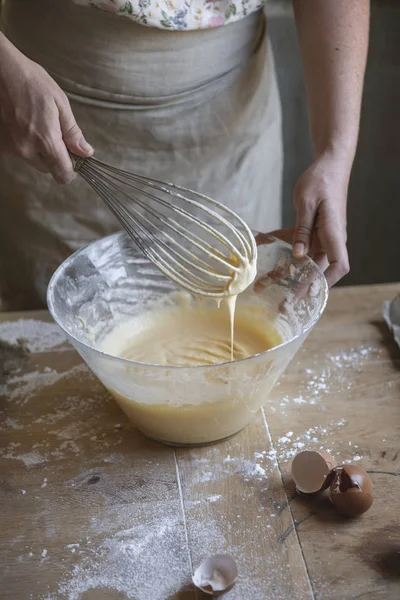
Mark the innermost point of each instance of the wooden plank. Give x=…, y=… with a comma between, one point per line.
x=235, y=503
x=342, y=393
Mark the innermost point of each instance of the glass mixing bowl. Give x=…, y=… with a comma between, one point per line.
x=110, y=282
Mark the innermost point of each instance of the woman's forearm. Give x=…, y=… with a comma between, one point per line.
x=333, y=37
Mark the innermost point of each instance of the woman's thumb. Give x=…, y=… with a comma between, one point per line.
x=72, y=134
x=303, y=230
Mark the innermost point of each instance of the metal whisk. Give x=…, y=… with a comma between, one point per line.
x=194, y=240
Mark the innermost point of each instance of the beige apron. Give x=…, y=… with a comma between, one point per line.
x=199, y=108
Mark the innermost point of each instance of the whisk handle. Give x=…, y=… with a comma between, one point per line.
x=77, y=161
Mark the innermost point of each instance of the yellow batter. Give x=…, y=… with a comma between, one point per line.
x=192, y=334
x=193, y=406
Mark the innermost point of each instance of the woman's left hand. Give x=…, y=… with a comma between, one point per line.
x=320, y=198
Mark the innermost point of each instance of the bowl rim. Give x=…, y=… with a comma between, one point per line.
x=67, y=261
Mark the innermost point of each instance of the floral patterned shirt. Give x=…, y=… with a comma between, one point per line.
x=178, y=14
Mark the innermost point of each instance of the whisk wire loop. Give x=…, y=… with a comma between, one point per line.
x=194, y=240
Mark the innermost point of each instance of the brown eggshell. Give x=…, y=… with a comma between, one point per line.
x=351, y=490
x=310, y=470
x=330, y=461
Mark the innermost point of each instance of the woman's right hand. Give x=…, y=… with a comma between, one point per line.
x=36, y=120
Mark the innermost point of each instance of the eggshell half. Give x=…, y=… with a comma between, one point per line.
x=216, y=574
x=310, y=469
x=351, y=490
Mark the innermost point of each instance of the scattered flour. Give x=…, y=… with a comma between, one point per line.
x=252, y=469
x=299, y=400
x=22, y=388
x=125, y=562
x=228, y=459
x=115, y=457
x=283, y=439
x=333, y=377
x=213, y=498
x=287, y=448
x=66, y=430
x=11, y=424
x=29, y=459
x=39, y=336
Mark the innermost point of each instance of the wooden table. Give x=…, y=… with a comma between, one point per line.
x=91, y=510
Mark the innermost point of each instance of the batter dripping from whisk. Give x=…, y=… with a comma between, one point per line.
x=241, y=280
x=193, y=333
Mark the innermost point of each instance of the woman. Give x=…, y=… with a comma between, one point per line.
x=182, y=90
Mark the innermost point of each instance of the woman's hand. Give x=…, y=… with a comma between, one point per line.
x=320, y=198
x=36, y=121
x=333, y=40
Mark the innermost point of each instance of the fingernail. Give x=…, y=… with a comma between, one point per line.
x=299, y=249
x=83, y=145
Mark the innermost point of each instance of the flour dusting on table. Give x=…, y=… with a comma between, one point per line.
x=38, y=336
x=144, y=562
x=335, y=375
x=23, y=387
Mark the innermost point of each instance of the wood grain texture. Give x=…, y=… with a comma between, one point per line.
x=233, y=492
x=356, y=415
x=92, y=510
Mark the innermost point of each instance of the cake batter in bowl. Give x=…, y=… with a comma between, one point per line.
x=166, y=356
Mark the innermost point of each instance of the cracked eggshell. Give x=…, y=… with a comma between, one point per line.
x=310, y=470
x=216, y=575
x=351, y=490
